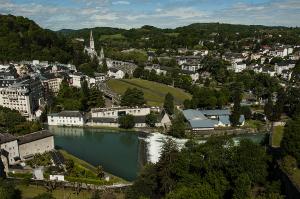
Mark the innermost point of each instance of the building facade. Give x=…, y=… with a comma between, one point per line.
x=66, y=118
x=35, y=143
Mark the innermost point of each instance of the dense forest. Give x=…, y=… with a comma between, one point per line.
x=23, y=39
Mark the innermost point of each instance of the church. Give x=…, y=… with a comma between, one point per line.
x=91, y=51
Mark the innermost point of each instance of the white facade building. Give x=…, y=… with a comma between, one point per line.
x=23, y=96
x=66, y=118
x=115, y=73
x=119, y=111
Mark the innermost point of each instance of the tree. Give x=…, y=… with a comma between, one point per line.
x=151, y=119
x=104, y=67
x=133, y=97
x=290, y=143
x=8, y=190
x=203, y=191
x=246, y=111
x=69, y=165
x=268, y=109
x=44, y=196
x=178, y=126
x=236, y=113
x=242, y=187
x=100, y=172
x=126, y=121
x=169, y=104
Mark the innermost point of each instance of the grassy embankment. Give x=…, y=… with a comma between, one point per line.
x=154, y=92
x=277, y=135
x=85, y=165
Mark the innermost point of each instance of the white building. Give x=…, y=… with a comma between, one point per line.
x=115, y=73
x=283, y=66
x=52, y=84
x=238, y=67
x=66, y=118
x=76, y=79
x=119, y=111
x=24, y=96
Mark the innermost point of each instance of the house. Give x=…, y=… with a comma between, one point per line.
x=100, y=77
x=51, y=83
x=17, y=149
x=238, y=67
x=279, y=67
x=193, y=74
x=35, y=143
x=66, y=118
x=9, y=149
x=115, y=73
x=200, y=120
x=76, y=79
x=108, y=117
x=115, y=112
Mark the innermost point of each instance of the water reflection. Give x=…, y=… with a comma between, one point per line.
x=120, y=153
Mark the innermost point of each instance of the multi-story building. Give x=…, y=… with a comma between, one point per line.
x=24, y=96
x=118, y=111
x=51, y=84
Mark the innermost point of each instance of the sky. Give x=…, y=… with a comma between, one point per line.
x=77, y=14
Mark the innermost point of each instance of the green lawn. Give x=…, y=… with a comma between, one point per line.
x=154, y=92
x=277, y=136
x=59, y=193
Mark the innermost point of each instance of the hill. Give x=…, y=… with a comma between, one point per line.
x=186, y=36
x=23, y=39
x=154, y=93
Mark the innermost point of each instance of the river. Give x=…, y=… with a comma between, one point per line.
x=120, y=153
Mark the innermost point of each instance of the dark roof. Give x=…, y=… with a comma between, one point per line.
x=34, y=136
x=6, y=137
x=140, y=119
x=104, y=120
x=114, y=70
x=68, y=114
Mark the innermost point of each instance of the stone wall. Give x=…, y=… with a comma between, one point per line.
x=35, y=147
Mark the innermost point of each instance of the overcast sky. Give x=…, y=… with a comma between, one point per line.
x=76, y=14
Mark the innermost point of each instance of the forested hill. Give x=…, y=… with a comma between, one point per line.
x=23, y=39
x=187, y=36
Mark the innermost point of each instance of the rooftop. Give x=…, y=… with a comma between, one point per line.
x=6, y=137
x=67, y=114
x=34, y=136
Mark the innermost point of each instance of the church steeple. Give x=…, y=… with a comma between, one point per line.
x=92, y=44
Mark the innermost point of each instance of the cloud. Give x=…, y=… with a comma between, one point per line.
x=77, y=14
x=120, y=2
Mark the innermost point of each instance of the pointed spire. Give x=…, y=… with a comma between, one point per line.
x=92, y=44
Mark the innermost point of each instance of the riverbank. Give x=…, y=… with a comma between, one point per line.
x=86, y=165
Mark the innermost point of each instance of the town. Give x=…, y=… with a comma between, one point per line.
x=210, y=88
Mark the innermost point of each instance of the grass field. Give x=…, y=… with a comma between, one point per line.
x=277, y=136
x=59, y=193
x=154, y=93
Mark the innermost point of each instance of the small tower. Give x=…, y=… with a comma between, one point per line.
x=92, y=44
x=101, y=54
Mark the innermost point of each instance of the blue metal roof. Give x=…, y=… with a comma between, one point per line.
x=207, y=123
x=191, y=114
